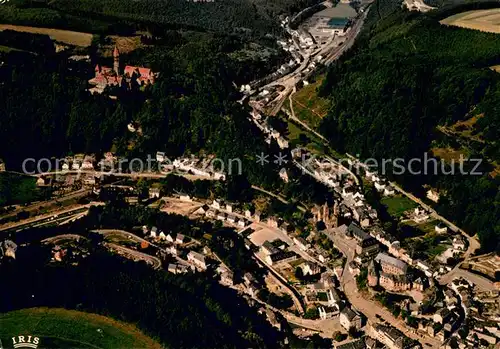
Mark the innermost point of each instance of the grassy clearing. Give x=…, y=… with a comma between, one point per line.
x=449, y=154
x=61, y=328
x=484, y=20
x=308, y=106
x=397, y=205
x=496, y=68
x=66, y=36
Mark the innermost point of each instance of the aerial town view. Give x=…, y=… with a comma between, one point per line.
x=248, y=174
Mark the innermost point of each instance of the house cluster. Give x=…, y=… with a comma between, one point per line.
x=224, y=212
x=482, y=311
x=380, y=183
x=8, y=249
x=107, y=76
x=251, y=284
x=79, y=162
x=390, y=337
x=173, y=245
x=271, y=133
x=169, y=238
x=276, y=253
x=198, y=167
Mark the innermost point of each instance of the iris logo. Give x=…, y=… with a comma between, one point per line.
x=25, y=341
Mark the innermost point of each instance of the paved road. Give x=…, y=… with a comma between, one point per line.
x=369, y=308
x=138, y=239
x=135, y=255
x=56, y=239
x=480, y=281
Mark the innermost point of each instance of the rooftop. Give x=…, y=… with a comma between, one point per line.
x=384, y=258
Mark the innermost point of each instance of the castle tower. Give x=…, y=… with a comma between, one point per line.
x=116, y=59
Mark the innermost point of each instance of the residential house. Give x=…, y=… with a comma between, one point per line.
x=388, y=191
x=160, y=156
x=355, y=344
x=228, y=277
x=221, y=216
x=309, y=268
x=459, y=243
x=248, y=278
x=350, y=319
x=257, y=216
x=180, y=239
x=218, y=204
x=272, y=222
x=432, y=195
x=231, y=219
x=172, y=268
x=248, y=213
x=172, y=249
x=326, y=312
x=42, y=181
x=197, y=259
x=284, y=175
x=210, y=213
x=169, y=238
x=185, y=197
x=281, y=257
x=392, y=338
x=301, y=243
x=268, y=248
x=441, y=228
x=153, y=232
x=154, y=193
x=442, y=315
x=379, y=185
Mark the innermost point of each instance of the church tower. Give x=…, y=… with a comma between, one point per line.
x=116, y=59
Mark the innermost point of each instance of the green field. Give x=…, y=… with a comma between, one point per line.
x=308, y=106
x=397, y=205
x=17, y=189
x=61, y=328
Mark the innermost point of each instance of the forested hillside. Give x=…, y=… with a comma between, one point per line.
x=191, y=311
x=193, y=106
x=407, y=76
x=248, y=18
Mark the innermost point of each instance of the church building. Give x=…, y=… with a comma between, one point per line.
x=106, y=76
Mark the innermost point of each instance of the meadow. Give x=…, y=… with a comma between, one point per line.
x=61, y=328
x=484, y=20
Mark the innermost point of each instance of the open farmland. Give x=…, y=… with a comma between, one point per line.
x=65, y=36
x=484, y=20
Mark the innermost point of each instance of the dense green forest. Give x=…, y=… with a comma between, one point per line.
x=190, y=311
x=248, y=18
x=407, y=75
x=193, y=106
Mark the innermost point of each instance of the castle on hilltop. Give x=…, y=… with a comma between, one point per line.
x=106, y=76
